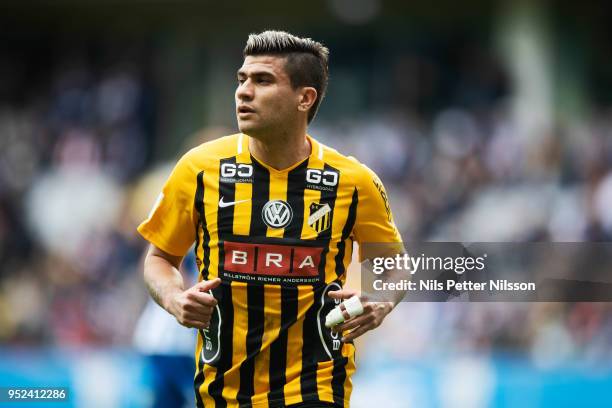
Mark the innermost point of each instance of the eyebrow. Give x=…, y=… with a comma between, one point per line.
x=241, y=73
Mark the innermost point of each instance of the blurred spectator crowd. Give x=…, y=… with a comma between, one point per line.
x=68, y=251
x=74, y=167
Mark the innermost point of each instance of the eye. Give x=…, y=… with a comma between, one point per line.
x=241, y=80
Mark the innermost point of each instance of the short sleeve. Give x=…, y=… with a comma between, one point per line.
x=374, y=221
x=171, y=224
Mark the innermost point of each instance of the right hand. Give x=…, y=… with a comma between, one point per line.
x=194, y=307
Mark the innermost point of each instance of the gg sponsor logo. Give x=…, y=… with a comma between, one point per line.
x=321, y=179
x=236, y=173
x=233, y=170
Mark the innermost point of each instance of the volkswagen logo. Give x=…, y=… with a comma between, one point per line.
x=277, y=214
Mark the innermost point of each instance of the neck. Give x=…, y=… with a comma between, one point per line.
x=280, y=151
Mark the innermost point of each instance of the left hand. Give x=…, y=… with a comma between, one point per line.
x=373, y=315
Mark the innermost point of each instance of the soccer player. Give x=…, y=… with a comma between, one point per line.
x=273, y=214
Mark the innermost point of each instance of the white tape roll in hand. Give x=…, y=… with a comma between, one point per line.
x=352, y=306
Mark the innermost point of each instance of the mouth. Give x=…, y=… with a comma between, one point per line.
x=244, y=109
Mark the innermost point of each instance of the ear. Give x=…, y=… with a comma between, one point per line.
x=307, y=98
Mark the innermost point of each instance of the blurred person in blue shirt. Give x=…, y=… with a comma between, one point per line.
x=168, y=348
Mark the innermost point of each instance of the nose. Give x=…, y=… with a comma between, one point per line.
x=244, y=91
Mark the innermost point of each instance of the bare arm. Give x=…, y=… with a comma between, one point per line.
x=162, y=276
x=191, y=307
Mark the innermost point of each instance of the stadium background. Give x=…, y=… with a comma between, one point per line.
x=486, y=122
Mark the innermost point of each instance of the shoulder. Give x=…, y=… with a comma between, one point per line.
x=225, y=146
x=209, y=153
x=349, y=167
x=204, y=157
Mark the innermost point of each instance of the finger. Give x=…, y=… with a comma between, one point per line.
x=202, y=298
x=355, y=333
x=341, y=294
x=195, y=317
x=367, y=307
x=204, y=286
x=199, y=309
x=354, y=322
x=196, y=324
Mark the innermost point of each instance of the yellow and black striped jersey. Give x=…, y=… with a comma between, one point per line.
x=279, y=240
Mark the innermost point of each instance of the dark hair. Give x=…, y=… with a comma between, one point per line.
x=306, y=60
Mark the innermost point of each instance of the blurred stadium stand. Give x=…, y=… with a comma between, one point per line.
x=490, y=123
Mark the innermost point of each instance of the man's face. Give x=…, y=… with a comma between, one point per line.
x=265, y=100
